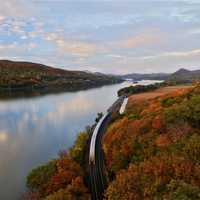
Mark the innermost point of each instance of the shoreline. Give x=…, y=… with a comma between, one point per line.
x=28, y=92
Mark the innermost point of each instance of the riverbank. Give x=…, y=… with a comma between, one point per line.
x=29, y=92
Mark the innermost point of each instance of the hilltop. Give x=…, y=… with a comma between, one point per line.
x=26, y=75
x=184, y=75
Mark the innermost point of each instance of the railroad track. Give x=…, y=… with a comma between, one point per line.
x=98, y=182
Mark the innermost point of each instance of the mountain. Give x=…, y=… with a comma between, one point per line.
x=182, y=75
x=26, y=75
x=185, y=75
x=153, y=76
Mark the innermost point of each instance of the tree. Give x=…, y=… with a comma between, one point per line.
x=41, y=175
x=75, y=191
x=78, y=150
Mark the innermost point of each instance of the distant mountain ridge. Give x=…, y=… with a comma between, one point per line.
x=180, y=75
x=152, y=76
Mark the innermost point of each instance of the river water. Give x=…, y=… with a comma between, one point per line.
x=34, y=130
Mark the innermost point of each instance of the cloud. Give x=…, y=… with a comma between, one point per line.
x=175, y=54
x=75, y=48
x=14, y=8
x=14, y=50
x=86, y=49
x=195, y=31
x=142, y=39
x=159, y=62
x=103, y=36
x=7, y=46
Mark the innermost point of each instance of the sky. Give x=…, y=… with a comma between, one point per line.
x=109, y=36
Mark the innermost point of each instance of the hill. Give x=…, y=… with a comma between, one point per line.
x=184, y=75
x=152, y=152
x=25, y=75
x=181, y=75
x=153, y=76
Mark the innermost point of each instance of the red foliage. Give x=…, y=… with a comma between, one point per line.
x=157, y=122
x=67, y=171
x=163, y=140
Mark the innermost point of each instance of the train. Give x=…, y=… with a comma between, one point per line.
x=98, y=126
x=93, y=139
x=123, y=106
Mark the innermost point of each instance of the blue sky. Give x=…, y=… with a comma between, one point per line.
x=111, y=36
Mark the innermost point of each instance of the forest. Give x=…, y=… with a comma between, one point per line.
x=152, y=152
x=26, y=76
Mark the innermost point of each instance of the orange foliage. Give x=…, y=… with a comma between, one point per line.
x=145, y=151
x=146, y=180
x=67, y=171
x=163, y=140
x=118, y=140
x=77, y=187
x=157, y=122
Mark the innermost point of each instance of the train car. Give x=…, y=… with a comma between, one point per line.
x=116, y=104
x=94, y=138
x=123, y=106
x=124, y=101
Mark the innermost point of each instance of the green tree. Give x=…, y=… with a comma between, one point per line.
x=41, y=175
x=78, y=150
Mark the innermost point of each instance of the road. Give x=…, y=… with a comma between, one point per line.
x=98, y=182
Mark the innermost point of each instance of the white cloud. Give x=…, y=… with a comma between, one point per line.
x=8, y=46
x=14, y=49
x=75, y=48
x=175, y=54
x=15, y=8
x=142, y=39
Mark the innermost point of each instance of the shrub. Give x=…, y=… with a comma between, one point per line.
x=78, y=150
x=41, y=175
x=67, y=170
x=74, y=191
x=179, y=190
x=169, y=101
x=192, y=148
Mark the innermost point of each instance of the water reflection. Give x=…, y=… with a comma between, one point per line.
x=33, y=130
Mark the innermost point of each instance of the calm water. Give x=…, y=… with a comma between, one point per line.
x=33, y=130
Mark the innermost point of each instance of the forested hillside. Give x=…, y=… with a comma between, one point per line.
x=152, y=152
x=24, y=75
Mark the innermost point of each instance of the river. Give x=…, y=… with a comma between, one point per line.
x=34, y=130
